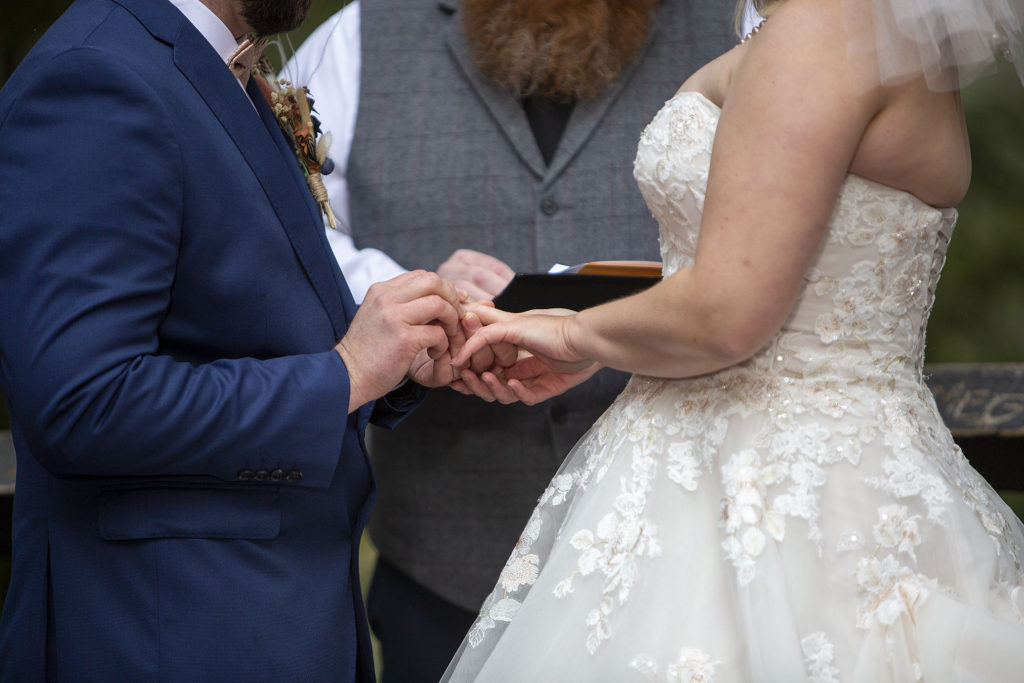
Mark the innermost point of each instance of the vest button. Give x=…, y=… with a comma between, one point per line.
x=295, y=476
x=277, y=475
x=549, y=206
x=262, y=475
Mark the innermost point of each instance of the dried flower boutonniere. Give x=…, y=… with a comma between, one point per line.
x=293, y=109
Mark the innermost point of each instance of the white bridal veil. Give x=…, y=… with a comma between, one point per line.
x=933, y=36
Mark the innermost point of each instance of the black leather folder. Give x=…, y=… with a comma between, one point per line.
x=580, y=287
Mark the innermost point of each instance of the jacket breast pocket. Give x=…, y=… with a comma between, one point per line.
x=171, y=512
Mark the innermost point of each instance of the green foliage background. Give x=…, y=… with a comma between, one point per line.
x=979, y=307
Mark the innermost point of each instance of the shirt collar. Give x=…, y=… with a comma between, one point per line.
x=209, y=25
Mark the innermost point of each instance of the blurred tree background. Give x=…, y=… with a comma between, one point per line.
x=979, y=307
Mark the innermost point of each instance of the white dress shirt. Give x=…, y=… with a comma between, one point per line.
x=328, y=63
x=210, y=25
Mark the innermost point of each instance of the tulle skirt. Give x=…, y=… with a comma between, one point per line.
x=740, y=529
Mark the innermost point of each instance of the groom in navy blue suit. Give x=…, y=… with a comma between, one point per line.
x=192, y=480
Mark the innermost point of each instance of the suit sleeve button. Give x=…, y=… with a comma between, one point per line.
x=262, y=475
x=246, y=475
x=295, y=476
x=277, y=475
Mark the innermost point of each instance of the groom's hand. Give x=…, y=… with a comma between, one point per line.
x=435, y=370
x=438, y=371
x=403, y=323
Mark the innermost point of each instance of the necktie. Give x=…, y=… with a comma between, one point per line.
x=245, y=55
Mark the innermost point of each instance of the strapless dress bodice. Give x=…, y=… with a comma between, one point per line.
x=864, y=303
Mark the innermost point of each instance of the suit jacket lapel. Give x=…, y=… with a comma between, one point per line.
x=310, y=245
x=258, y=138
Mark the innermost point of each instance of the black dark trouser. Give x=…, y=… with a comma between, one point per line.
x=418, y=631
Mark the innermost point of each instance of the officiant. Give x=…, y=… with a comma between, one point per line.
x=481, y=138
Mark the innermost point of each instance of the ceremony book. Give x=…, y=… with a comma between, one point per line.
x=578, y=287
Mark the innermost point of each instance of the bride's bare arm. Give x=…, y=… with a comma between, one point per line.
x=789, y=129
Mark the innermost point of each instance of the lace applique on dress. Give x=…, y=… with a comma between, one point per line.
x=690, y=666
x=819, y=654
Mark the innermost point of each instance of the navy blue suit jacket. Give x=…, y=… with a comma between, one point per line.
x=190, y=491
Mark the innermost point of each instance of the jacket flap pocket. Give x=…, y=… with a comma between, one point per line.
x=135, y=514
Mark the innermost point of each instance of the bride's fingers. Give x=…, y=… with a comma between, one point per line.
x=489, y=335
x=499, y=389
x=524, y=394
x=487, y=313
x=526, y=367
x=474, y=385
x=561, y=312
x=505, y=354
x=483, y=359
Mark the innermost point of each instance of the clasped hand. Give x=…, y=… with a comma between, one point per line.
x=411, y=327
x=533, y=353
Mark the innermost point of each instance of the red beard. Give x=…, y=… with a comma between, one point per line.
x=567, y=50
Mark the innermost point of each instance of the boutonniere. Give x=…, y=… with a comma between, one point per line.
x=293, y=108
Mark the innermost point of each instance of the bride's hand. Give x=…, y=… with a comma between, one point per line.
x=529, y=381
x=545, y=364
x=544, y=333
x=488, y=356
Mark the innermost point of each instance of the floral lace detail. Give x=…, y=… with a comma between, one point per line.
x=849, y=542
x=819, y=654
x=898, y=529
x=611, y=550
x=677, y=141
x=691, y=666
x=621, y=537
x=693, y=444
x=906, y=477
x=521, y=570
x=890, y=590
x=744, y=511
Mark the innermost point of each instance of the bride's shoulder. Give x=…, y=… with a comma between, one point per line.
x=812, y=29
x=801, y=51
x=815, y=62
x=794, y=36
x=816, y=17
x=712, y=79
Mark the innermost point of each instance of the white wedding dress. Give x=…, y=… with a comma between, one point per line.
x=804, y=515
